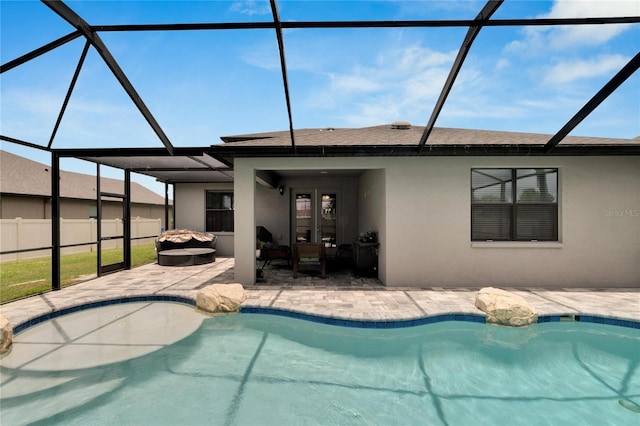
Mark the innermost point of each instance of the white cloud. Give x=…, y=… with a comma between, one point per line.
x=31, y=114
x=569, y=71
x=415, y=57
x=350, y=83
x=539, y=104
x=429, y=8
x=541, y=39
x=397, y=84
x=41, y=103
x=251, y=7
x=383, y=110
x=584, y=35
x=593, y=8
x=262, y=55
x=502, y=64
x=482, y=110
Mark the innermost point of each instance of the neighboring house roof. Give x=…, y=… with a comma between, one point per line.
x=21, y=176
x=389, y=134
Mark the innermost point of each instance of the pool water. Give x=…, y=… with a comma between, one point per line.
x=255, y=369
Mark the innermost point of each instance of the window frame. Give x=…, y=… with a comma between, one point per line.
x=513, y=204
x=208, y=210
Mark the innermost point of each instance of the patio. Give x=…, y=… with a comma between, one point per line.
x=338, y=296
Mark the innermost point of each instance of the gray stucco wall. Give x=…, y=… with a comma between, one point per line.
x=372, y=199
x=13, y=206
x=429, y=226
x=425, y=221
x=189, y=202
x=27, y=207
x=272, y=212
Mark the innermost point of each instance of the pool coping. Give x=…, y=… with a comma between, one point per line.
x=323, y=300
x=479, y=317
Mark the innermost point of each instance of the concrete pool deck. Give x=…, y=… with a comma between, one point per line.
x=339, y=296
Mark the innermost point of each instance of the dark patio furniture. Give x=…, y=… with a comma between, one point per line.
x=309, y=257
x=186, y=257
x=185, y=248
x=270, y=251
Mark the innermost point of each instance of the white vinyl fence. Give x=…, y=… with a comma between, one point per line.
x=20, y=234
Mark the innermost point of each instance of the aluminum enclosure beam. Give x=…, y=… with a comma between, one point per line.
x=67, y=97
x=472, y=33
x=39, y=51
x=220, y=170
x=283, y=67
x=99, y=221
x=90, y=34
x=598, y=98
x=81, y=25
x=55, y=222
x=126, y=234
x=127, y=152
x=166, y=206
x=366, y=24
x=23, y=143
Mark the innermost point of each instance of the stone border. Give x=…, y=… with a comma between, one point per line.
x=342, y=322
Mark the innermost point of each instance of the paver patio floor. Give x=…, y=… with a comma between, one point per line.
x=340, y=295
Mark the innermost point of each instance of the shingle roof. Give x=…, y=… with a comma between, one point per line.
x=386, y=135
x=19, y=175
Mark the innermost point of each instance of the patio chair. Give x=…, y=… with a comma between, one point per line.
x=270, y=251
x=309, y=256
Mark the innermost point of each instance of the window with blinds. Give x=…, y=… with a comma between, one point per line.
x=219, y=211
x=514, y=204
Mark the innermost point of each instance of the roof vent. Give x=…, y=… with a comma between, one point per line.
x=401, y=125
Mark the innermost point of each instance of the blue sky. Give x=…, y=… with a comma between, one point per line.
x=201, y=85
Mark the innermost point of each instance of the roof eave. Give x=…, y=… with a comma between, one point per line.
x=230, y=152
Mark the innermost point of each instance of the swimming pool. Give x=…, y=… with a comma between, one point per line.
x=253, y=369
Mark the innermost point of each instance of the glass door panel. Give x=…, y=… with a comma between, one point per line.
x=328, y=219
x=315, y=215
x=304, y=217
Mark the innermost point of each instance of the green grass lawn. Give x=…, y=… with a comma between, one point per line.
x=25, y=277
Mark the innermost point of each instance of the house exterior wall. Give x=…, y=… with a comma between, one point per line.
x=429, y=226
x=80, y=209
x=247, y=193
x=13, y=206
x=421, y=209
x=244, y=244
x=272, y=212
x=150, y=211
x=27, y=207
x=372, y=217
x=189, y=202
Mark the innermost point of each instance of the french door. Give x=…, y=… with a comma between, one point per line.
x=315, y=216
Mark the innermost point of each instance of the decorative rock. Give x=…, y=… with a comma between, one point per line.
x=6, y=335
x=217, y=298
x=505, y=308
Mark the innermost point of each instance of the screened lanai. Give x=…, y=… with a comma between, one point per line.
x=177, y=91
